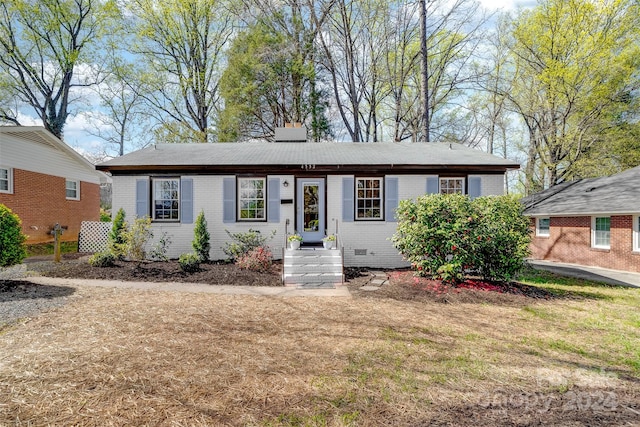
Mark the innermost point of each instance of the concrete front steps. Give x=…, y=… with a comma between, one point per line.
x=312, y=268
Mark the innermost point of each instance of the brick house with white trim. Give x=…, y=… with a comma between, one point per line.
x=45, y=182
x=593, y=222
x=348, y=189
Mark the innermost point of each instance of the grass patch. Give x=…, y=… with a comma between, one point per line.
x=41, y=249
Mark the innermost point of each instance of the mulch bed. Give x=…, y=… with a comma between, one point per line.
x=211, y=273
x=405, y=286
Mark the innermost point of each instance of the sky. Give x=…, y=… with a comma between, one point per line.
x=76, y=132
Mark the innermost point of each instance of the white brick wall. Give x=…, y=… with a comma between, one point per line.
x=374, y=236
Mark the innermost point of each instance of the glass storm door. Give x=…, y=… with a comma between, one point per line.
x=310, y=207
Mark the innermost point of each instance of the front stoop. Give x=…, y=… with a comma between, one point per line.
x=313, y=268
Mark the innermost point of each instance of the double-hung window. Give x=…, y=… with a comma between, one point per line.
x=451, y=185
x=542, y=227
x=601, y=227
x=252, y=199
x=369, y=199
x=72, y=188
x=166, y=199
x=6, y=180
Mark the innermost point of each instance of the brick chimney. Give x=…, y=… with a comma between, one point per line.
x=291, y=132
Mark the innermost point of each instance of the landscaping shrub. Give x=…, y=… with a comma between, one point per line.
x=243, y=243
x=189, y=263
x=200, y=242
x=136, y=237
x=257, y=259
x=160, y=249
x=102, y=259
x=116, y=239
x=12, y=250
x=448, y=235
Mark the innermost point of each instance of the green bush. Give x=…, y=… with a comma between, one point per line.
x=136, y=237
x=116, y=239
x=160, y=249
x=189, y=263
x=12, y=250
x=449, y=235
x=102, y=259
x=243, y=243
x=201, y=237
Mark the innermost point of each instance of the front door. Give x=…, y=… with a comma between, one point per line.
x=310, y=221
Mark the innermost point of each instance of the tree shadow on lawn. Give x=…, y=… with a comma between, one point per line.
x=12, y=290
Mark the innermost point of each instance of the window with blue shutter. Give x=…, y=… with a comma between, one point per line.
x=186, y=201
x=229, y=200
x=391, y=199
x=142, y=197
x=475, y=186
x=273, y=200
x=347, y=199
x=433, y=185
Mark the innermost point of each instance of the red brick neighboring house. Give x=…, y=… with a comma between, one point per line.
x=593, y=222
x=45, y=182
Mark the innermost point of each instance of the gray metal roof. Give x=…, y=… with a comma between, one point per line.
x=296, y=154
x=616, y=194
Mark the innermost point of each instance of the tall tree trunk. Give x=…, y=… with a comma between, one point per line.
x=424, y=83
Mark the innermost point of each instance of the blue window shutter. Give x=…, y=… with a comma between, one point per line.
x=229, y=200
x=391, y=199
x=475, y=187
x=347, y=199
x=433, y=185
x=186, y=200
x=273, y=200
x=142, y=197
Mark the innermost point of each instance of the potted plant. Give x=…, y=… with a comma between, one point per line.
x=294, y=241
x=329, y=241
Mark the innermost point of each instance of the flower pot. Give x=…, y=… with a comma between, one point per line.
x=294, y=244
x=328, y=244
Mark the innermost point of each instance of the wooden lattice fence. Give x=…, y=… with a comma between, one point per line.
x=93, y=236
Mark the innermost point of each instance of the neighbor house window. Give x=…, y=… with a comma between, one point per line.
x=73, y=189
x=601, y=232
x=166, y=199
x=451, y=185
x=252, y=199
x=543, y=227
x=369, y=198
x=6, y=180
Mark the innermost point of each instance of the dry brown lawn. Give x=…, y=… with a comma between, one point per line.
x=126, y=357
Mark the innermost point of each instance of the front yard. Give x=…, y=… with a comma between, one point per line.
x=403, y=356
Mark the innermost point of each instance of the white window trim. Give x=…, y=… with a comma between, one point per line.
x=77, y=182
x=448, y=178
x=153, y=199
x=539, y=232
x=593, y=233
x=239, y=202
x=636, y=233
x=355, y=199
x=9, y=190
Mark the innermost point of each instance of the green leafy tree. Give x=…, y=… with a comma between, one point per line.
x=575, y=67
x=12, y=250
x=42, y=45
x=201, y=237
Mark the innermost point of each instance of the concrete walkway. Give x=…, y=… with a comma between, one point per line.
x=275, y=291
x=605, y=275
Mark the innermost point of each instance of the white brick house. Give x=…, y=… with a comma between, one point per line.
x=348, y=189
